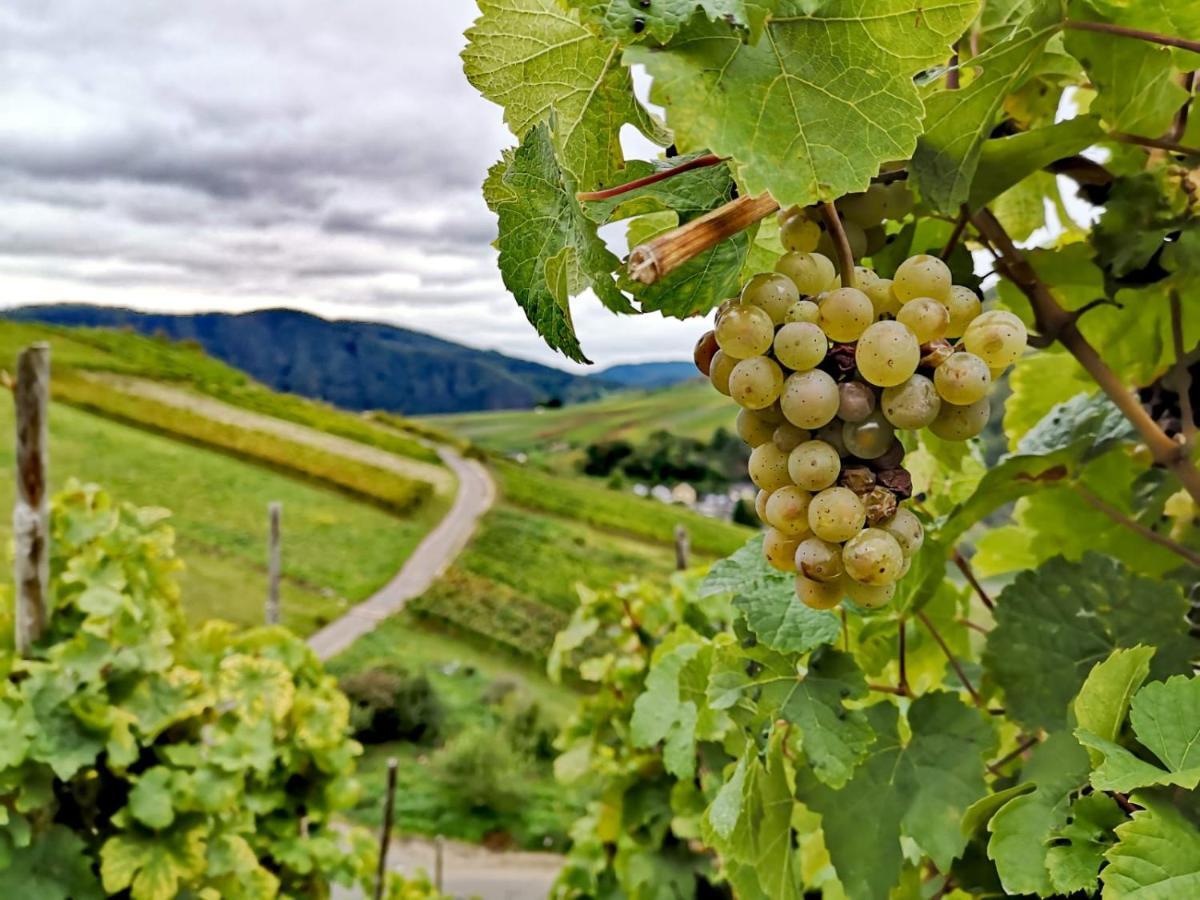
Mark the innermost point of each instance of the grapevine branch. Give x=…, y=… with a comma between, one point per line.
x=1134, y=525
x=1056, y=322
x=1167, y=40
x=958, y=669
x=1183, y=378
x=700, y=162
x=841, y=243
x=1179, y=126
x=995, y=767
x=960, y=225
x=1157, y=143
x=968, y=573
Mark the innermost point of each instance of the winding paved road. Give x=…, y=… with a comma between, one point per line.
x=476, y=493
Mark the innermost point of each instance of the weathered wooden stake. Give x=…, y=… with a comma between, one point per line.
x=385, y=836
x=682, y=547
x=439, y=849
x=274, y=572
x=31, y=512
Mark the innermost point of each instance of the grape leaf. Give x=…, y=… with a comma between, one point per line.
x=958, y=122
x=660, y=20
x=1038, y=382
x=660, y=714
x=1157, y=854
x=1103, y=700
x=919, y=790
x=151, y=801
x=55, y=866
x=1076, y=850
x=151, y=865
x=545, y=68
x=788, y=107
x=1065, y=617
x=1165, y=716
x=1003, y=162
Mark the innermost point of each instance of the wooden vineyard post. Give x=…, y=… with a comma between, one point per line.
x=31, y=512
x=439, y=854
x=682, y=547
x=385, y=836
x=274, y=513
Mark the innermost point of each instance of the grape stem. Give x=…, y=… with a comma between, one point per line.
x=700, y=162
x=960, y=225
x=1157, y=143
x=1183, y=378
x=1153, y=37
x=841, y=243
x=954, y=663
x=1057, y=323
x=968, y=573
x=903, y=654
x=1028, y=742
x=1134, y=525
x=1179, y=126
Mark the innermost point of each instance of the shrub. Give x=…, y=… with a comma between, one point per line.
x=392, y=705
x=485, y=773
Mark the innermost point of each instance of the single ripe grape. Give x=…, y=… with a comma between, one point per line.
x=856, y=401
x=831, y=434
x=958, y=423
x=788, y=437
x=809, y=399
x=906, y=528
x=865, y=208
x=819, y=560
x=706, y=348
x=772, y=414
x=922, y=276
x=887, y=354
x=771, y=292
x=799, y=233
x=768, y=467
x=962, y=379
x=818, y=594
x=998, y=341
x=812, y=273
x=787, y=511
x=898, y=200
x=863, y=277
x=964, y=306
x=1000, y=315
x=752, y=428
x=882, y=297
x=783, y=215
x=800, y=345
x=846, y=313
x=870, y=438
x=869, y=596
x=745, y=331
x=925, y=317
x=803, y=311
x=836, y=514
x=814, y=465
x=912, y=404
x=755, y=382
x=780, y=550
x=719, y=370
x=873, y=557
x=760, y=505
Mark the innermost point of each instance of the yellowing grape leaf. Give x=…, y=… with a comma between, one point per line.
x=818, y=103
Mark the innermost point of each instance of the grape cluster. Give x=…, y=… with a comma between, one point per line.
x=826, y=374
x=802, y=229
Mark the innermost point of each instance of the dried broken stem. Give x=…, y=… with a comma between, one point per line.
x=841, y=243
x=700, y=162
x=968, y=573
x=954, y=663
x=1135, y=526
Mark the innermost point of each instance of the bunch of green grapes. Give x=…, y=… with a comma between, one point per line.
x=826, y=374
x=802, y=229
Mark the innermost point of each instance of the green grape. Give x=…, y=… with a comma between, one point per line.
x=706, y=349
x=898, y=200
x=772, y=414
x=787, y=511
x=906, y=528
x=718, y=371
x=836, y=514
x=856, y=401
x=817, y=594
x=772, y=293
x=760, y=505
x=831, y=434
x=788, y=437
x=922, y=276
x=863, y=277
x=958, y=423
x=809, y=399
x=800, y=345
x=783, y=215
x=925, y=317
x=964, y=307
x=814, y=465
x=962, y=379
x=998, y=341
x=882, y=298
x=819, y=560
x=752, y=428
x=873, y=557
x=846, y=313
x=1000, y=315
x=745, y=331
x=800, y=234
x=869, y=596
x=756, y=382
x=887, y=354
x=812, y=273
x=855, y=237
x=865, y=209
x=768, y=467
x=780, y=550
x=803, y=311
x=912, y=404
x=870, y=438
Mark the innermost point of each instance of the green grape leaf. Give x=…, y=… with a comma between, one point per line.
x=544, y=67
x=1157, y=854
x=958, y=122
x=152, y=865
x=1004, y=162
x=60, y=739
x=659, y=21
x=1103, y=700
x=788, y=107
x=660, y=714
x=54, y=866
x=980, y=812
x=1076, y=850
x=1165, y=716
x=1086, y=424
x=1065, y=617
x=767, y=598
x=1038, y=382
x=17, y=728
x=258, y=687
x=919, y=790
x=152, y=799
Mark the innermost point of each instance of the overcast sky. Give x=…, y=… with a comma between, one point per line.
x=237, y=154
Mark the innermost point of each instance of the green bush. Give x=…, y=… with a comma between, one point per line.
x=485, y=773
x=392, y=705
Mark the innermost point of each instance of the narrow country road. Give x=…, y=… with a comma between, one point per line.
x=476, y=492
